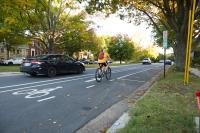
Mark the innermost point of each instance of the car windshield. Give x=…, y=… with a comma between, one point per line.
x=42, y=57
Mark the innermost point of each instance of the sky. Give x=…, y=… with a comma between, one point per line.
x=112, y=25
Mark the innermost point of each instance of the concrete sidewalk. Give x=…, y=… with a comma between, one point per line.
x=195, y=72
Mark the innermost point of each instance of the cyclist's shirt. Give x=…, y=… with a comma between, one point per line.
x=106, y=56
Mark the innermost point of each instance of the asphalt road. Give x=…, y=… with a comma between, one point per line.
x=65, y=103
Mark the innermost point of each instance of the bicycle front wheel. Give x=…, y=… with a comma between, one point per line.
x=98, y=75
x=108, y=73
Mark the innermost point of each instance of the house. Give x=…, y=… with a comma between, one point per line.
x=24, y=50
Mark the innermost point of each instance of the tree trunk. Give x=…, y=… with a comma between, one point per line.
x=51, y=46
x=7, y=54
x=120, y=60
x=180, y=53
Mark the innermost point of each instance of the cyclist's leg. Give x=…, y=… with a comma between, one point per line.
x=104, y=67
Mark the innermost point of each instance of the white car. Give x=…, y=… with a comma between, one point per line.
x=14, y=61
x=146, y=61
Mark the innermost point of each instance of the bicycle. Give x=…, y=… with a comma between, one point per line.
x=100, y=73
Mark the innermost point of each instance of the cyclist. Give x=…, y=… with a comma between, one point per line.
x=103, y=60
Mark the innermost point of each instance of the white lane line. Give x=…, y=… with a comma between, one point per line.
x=44, y=81
x=90, y=86
x=90, y=80
x=116, y=71
x=133, y=73
x=9, y=75
x=132, y=80
x=46, y=99
x=43, y=84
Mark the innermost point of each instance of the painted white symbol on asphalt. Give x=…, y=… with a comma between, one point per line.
x=35, y=93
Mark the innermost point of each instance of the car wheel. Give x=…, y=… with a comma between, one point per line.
x=51, y=72
x=10, y=63
x=33, y=74
x=80, y=70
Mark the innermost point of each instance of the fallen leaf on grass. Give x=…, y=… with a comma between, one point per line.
x=103, y=130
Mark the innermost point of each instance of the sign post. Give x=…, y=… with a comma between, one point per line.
x=165, y=47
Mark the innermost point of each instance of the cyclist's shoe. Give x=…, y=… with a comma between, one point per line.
x=99, y=76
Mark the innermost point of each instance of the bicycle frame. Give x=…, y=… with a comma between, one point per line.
x=103, y=72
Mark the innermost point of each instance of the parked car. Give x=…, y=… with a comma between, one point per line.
x=161, y=61
x=168, y=62
x=51, y=64
x=1, y=61
x=146, y=61
x=14, y=61
x=95, y=62
x=85, y=61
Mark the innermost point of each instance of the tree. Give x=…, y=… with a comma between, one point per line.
x=44, y=21
x=77, y=36
x=171, y=14
x=11, y=29
x=121, y=49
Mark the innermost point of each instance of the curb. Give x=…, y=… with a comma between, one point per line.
x=104, y=121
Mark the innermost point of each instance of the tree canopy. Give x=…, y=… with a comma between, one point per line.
x=121, y=49
x=171, y=15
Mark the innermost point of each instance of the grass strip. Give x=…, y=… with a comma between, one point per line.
x=14, y=68
x=168, y=107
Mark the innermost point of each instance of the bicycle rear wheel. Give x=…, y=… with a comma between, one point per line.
x=98, y=75
x=108, y=73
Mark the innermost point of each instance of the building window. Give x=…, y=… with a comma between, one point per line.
x=2, y=50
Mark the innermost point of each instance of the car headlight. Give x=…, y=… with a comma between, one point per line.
x=82, y=63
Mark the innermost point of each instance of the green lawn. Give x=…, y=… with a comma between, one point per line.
x=168, y=107
x=9, y=68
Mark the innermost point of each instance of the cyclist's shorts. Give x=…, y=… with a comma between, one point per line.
x=103, y=64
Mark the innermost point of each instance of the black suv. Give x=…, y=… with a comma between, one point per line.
x=51, y=64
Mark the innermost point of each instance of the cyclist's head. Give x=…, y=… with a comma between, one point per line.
x=103, y=50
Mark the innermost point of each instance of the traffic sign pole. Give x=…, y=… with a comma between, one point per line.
x=165, y=47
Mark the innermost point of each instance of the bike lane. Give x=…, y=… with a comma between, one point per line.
x=30, y=110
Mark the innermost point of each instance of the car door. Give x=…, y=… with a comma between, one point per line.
x=59, y=63
x=71, y=66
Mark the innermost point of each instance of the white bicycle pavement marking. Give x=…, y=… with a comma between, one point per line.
x=46, y=98
x=35, y=93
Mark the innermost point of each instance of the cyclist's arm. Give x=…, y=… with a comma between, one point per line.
x=109, y=57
